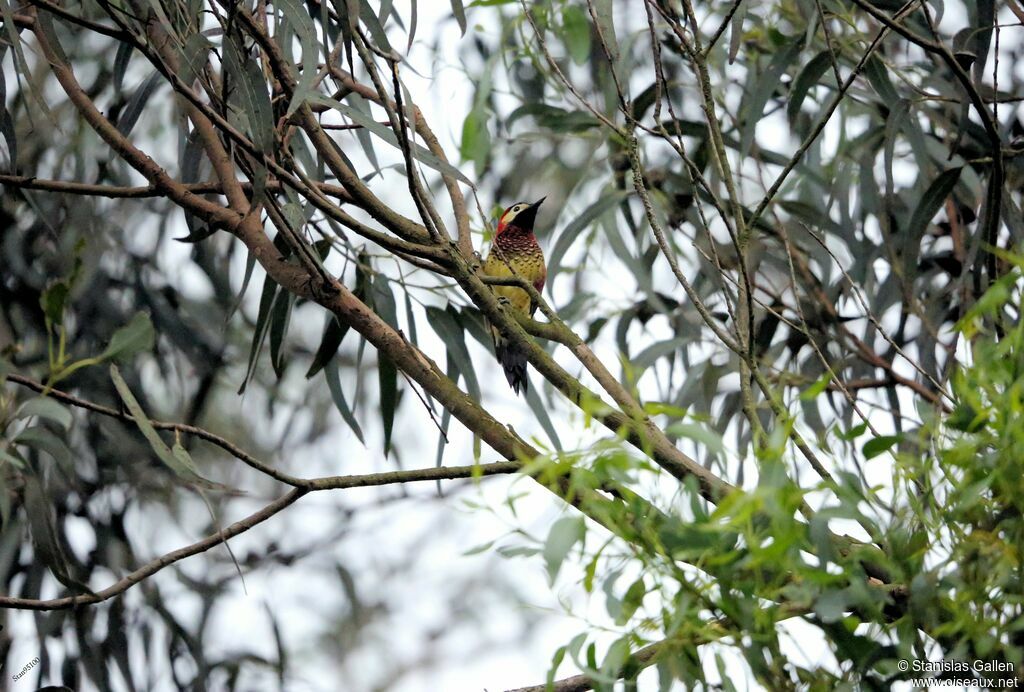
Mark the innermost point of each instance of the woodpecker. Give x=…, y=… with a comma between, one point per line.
x=515, y=252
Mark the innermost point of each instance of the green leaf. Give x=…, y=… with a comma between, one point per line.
x=142, y=96
x=181, y=464
x=476, y=550
x=983, y=20
x=192, y=159
x=460, y=15
x=362, y=134
x=554, y=118
x=21, y=66
x=12, y=458
x=42, y=440
x=853, y=433
x=632, y=601
x=372, y=22
x=656, y=351
x=183, y=457
x=334, y=333
x=564, y=534
x=192, y=57
x=382, y=299
x=701, y=434
x=576, y=33
x=819, y=386
x=446, y=325
x=280, y=317
x=992, y=301
x=48, y=408
x=255, y=114
x=606, y=27
x=878, y=77
x=879, y=445
x=616, y=657
x=540, y=412
x=53, y=300
x=831, y=605
x=804, y=81
x=43, y=528
x=556, y=660
x=267, y=300
x=387, y=378
x=814, y=216
x=507, y=551
x=966, y=418
x=333, y=379
x=414, y=11
x=931, y=202
x=306, y=32
x=475, y=143
x=250, y=265
x=135, y=337
x=736, y=30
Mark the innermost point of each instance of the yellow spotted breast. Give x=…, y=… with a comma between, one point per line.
x=516, y=253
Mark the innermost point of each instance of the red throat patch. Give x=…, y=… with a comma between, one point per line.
x=501, y=222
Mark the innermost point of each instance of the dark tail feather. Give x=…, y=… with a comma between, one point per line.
x=513, y=361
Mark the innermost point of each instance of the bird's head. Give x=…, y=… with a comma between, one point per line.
x=521, y=215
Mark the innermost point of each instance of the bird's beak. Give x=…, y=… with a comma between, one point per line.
x=529, y=215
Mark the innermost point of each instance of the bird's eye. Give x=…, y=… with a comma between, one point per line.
x=517, y=208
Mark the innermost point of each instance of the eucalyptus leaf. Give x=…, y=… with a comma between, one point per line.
x=181, y=464
x=564, y=534
x=135, y=337
x=142, y=95
x=331, y=375
x=460, y=15
x=45, y=407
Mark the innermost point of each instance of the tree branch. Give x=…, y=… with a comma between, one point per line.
x=28, y=182
x=151, y=568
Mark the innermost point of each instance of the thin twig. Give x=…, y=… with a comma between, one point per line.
x=180, y=428
x=823, y=120
x=243, y=525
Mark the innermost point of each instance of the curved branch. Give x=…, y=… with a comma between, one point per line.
x=28, y=182
x=151, y=568
x=243, y=525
